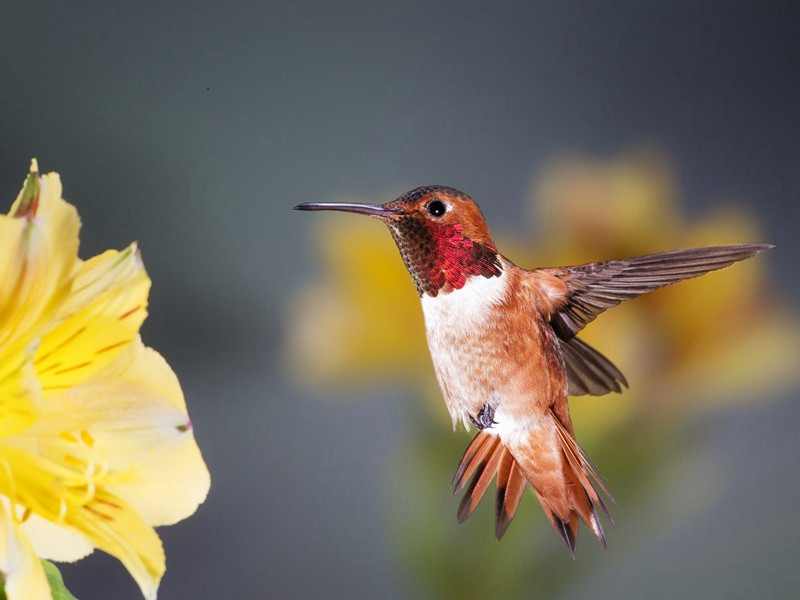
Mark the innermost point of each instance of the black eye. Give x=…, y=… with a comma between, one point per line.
x=437, y=208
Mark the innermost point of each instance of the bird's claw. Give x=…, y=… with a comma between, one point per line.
x=485, y=417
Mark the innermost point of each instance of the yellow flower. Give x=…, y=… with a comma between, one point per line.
x=96, y=446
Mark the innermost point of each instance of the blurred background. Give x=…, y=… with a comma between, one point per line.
x=585, y=131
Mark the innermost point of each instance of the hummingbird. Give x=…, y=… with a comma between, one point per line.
x=504, y=346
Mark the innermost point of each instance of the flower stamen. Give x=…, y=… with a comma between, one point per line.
x=87, y=438
x=73, y=461
x=68, y=437
x=62, y=510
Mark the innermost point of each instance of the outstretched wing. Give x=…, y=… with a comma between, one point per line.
x=595, y=287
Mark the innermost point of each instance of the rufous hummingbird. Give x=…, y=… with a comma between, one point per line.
x=504, y=348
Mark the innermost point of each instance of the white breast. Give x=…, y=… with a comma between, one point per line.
x=465, y=308
x=454, y=322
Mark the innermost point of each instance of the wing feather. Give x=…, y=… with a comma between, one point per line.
x=588, y=371
x=596, y=287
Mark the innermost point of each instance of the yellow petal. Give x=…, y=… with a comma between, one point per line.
x=72, y=499
x=116, y=528
x=168, y=488
x=146, y=435
x=55, y=542
x=19, y=393
x=21, y=570
x=128, y=425
x=101, y=316
x=38, y=254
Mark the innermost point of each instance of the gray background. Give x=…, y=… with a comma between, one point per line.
x=195, y=126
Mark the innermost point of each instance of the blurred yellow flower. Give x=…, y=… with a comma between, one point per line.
x=698, y=346
x=96, y=446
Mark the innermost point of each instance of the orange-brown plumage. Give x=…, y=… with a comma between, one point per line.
x=505, y=352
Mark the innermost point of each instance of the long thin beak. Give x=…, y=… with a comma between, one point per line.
x=364, y=209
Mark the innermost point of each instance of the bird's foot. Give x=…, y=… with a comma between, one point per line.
x=485, y=417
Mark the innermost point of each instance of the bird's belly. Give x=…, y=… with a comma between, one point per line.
x=486, y=352
x=466, y=374
x=462, y=328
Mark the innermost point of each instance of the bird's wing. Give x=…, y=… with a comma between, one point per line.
x=595, y=287
x=588, y=371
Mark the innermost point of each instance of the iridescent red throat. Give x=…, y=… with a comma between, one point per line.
x=439, y=257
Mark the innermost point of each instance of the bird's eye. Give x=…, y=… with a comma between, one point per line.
x=437, y=208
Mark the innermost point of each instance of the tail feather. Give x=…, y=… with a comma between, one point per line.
x=595, y=525
x=511, y=484
x=471, y=459
x=487, y=456
x=586, y=494
x=484, y=473
x=568, y=530
x=587, y=477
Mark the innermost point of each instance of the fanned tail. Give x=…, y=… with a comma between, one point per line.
x=579, y=493
x=484, y=458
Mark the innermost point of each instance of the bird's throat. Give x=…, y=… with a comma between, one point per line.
x=439, y=257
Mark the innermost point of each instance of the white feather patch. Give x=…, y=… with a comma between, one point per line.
x=467, y=307
x=450, y=319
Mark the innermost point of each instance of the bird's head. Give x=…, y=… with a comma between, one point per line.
x=440, y=232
